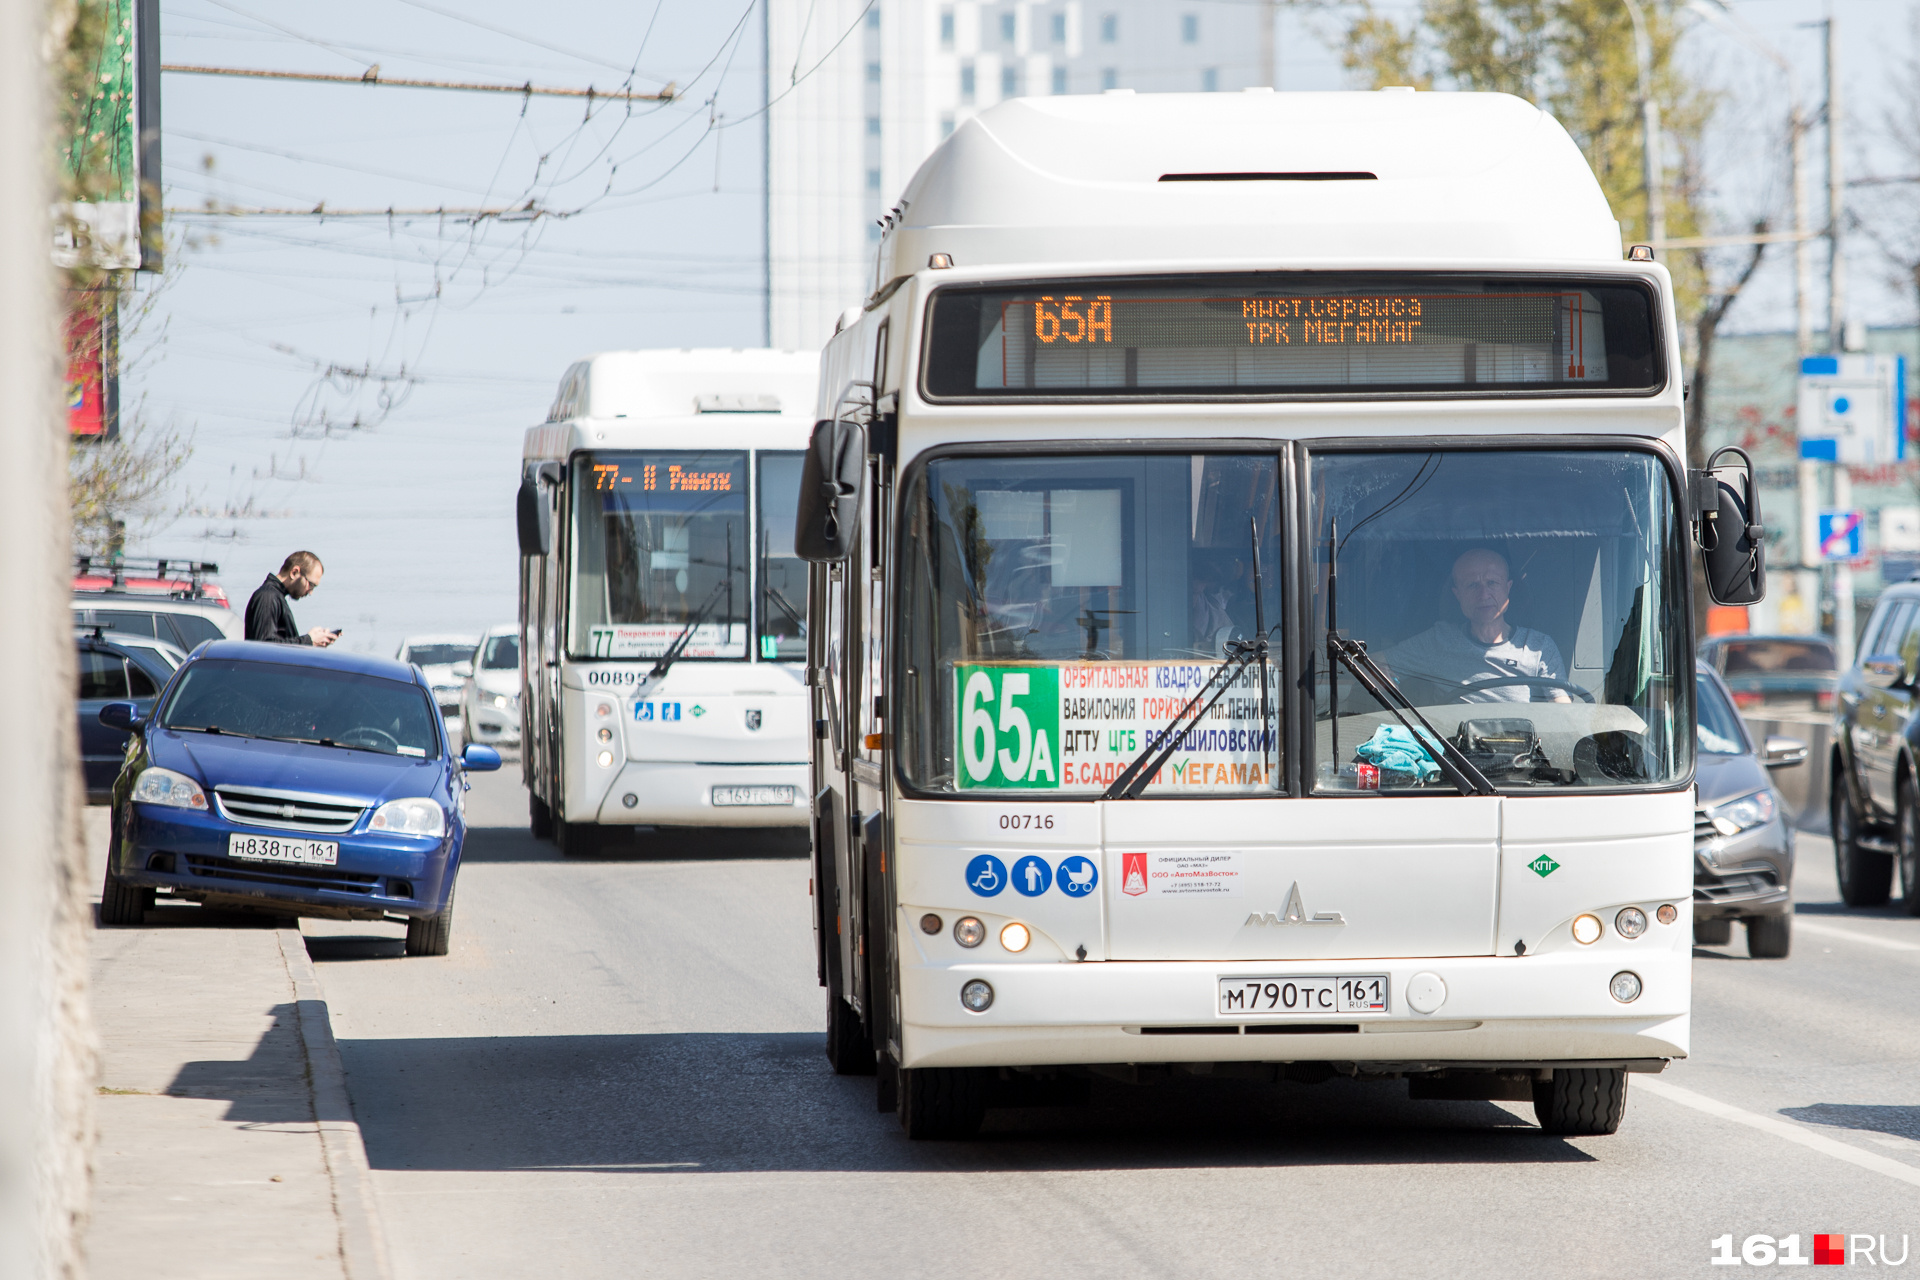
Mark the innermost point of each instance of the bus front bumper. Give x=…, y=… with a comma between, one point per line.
x=1496, y=1010
x=675, y=794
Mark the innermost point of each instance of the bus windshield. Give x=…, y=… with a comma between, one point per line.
x=660, y=547
x=782, y=606
x=1525, y=602
x=1059, y=611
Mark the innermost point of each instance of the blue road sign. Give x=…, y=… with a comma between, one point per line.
x=1840, y=535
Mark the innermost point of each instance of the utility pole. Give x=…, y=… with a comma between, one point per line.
x=1649, y=128
x=1269, y=43
x=1843, y=620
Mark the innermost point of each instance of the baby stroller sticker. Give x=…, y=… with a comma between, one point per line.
x=1078, y=876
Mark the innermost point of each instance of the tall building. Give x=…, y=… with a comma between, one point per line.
x=861, y=93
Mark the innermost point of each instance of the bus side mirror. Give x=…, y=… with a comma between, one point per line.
x=827, y=522
x=1726, y=520
x=533, y=514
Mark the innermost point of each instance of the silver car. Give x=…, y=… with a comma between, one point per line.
x=491, y=699
x=1742, y=843
x=438, y=657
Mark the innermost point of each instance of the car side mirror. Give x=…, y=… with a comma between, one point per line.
x=1883, y=670
x=124, y=716
x=533, y=514
x=1725, y=504
x=827, y=523
x=463, y=669
x=478, y=758
x=1784, y=753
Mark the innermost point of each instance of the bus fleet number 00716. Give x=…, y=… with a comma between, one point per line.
x=1363, y=993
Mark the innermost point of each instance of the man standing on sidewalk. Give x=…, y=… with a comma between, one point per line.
x=270, y=617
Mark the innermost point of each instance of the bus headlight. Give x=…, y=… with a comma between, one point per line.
x=1015, y=937
x=604, y=759
x=1625, y=987
x=977, y=996
x=415, y=816
x=1586, y=930
x=1631, y=922
x=969, y=932
x=1668, y=913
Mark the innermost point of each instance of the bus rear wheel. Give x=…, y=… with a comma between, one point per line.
x=1577, y=1101
x=942, y=1102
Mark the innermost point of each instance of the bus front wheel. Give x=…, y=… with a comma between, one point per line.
x=576, y=839
x=539, y=817
x=1581, y=1100
x=942, y=1102
x=849, y=1048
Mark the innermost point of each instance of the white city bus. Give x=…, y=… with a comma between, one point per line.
x=1251, y=543
x=662, y=610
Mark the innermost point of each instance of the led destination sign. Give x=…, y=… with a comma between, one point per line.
x=1209, y=336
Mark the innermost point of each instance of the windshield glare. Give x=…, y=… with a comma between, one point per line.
x=304, y=704
x=1521, y=600
x=660, y=547
x=1060, y=611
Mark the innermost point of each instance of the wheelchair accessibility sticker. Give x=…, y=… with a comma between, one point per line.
x=986, y=875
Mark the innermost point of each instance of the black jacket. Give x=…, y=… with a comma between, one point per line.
x=270, y=617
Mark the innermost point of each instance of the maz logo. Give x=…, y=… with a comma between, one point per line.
x=1295, y=913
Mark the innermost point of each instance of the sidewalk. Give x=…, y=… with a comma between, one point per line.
x=226, y=1146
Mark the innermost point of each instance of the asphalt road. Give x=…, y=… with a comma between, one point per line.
x=620, y=1071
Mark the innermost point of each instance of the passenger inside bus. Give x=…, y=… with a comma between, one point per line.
x=1489, y=648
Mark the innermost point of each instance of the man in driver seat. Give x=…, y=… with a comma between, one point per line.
x=1488, y=647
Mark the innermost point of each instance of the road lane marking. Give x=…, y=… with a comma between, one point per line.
x=1782, y=1129
x=1820, y=930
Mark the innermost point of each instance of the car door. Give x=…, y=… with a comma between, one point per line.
x=103, y=679
x=1883, y=713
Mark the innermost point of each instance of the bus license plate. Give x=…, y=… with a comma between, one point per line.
x=319, y=853
x=752, y=795
x=1348, y=993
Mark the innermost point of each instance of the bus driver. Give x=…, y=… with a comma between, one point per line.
x=1488, y=647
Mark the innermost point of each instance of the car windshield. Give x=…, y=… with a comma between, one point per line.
x=500, y=653
x=660, y=547
x=1718, y=728
x=1526, y=603
x=303, y=704
x=438, y=655
x=1776, y=657
x=1058, y=612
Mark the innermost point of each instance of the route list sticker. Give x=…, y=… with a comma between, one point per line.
x=1213, y=874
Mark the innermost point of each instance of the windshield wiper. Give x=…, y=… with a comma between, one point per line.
x=1460, y=771
x=679, y=645
x=1241, y=654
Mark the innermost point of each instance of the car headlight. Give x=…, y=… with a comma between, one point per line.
x=164, y=786
x=504, y=701
x=416, y=816
x=1744, y=813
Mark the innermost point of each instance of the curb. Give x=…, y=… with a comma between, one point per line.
x=363, y=1246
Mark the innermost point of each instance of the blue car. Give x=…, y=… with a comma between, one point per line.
x=292, y=780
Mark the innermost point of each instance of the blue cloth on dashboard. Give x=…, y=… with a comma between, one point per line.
x=1392, y=747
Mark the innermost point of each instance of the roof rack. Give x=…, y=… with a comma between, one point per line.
x=163, y=574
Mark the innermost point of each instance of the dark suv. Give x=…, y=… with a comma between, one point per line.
x=1875, y=797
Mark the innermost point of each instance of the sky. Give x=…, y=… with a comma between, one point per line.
x=359, y=386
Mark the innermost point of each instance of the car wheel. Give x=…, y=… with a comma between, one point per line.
x=431, y=935
x=539, y=817
x=849, y=1048
x=1907, y=840
x=122, y=903
x=1712, y=933
x=1866, y=876
x=943, y=1102
x=1769, y=937
x=1581, y=1100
